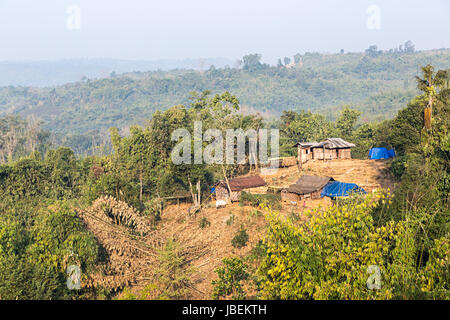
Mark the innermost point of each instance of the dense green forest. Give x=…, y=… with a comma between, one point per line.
x=55, y=206
x=377, y=83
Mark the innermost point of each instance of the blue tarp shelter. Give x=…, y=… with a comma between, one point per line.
x=340, y=189
x=391, y=153
x=381, y=153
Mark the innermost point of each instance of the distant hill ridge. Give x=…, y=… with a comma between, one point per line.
x=59, y=72
x=378, y=84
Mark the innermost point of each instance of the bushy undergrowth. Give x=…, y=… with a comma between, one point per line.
x=34, y=257
x=240, y=239
x=204, y=222
x=328, y=257
x=256, y=200
x=230, y=277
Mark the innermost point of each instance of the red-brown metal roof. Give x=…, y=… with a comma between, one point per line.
x=240, y=183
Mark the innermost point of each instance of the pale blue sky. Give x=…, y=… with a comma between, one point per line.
x=177, y=29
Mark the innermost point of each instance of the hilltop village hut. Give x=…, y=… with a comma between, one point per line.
x=250, y=184
x=304, y=152
x=332, y=148
x=329, y=149
x=307, y=187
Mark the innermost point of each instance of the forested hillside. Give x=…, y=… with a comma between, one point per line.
x=107, y=215
x=377, y=83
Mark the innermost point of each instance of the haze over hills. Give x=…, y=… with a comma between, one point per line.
x=59, y=72
x=378, y=83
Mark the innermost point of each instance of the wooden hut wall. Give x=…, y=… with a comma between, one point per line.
x=316, y=194
x=345, y=153
x=306, y=154
x=235, y=196
x=221, y=193
x=330, y=154
x=289, y=196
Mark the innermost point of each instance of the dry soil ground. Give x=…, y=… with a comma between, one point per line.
x=209, y=245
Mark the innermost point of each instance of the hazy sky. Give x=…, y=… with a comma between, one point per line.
x=177, y=29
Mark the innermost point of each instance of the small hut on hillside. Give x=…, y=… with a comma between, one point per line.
x=304, y=151
x=251, y=184
x=332, y=148
x=307, y=187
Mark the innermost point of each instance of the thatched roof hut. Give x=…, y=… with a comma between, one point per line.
x=334, y=143
x=307, y=184
x=306, y=187
x=237, y=185
x=332, y=148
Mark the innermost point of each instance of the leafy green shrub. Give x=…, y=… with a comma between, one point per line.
x=231, y=275
x=352, y=199
x=255, y=213
x=170, y=280
x=256, y=200
x=294, y=216
x=240, y=239
x=204, y=223
x=173, y=276
x=258, y=252
x=34, y=259
x=398, y=166
x=127, y=295
x=436, y=275
x=328, y=256
x=154, y=208
x=314, y=260
x=230, y=220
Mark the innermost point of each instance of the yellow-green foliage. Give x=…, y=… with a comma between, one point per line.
x=256, y=200
x=436, y=276
x=231, y=275
x=328, y=256
x=34, y=258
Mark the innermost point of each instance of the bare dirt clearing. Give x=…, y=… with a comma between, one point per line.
x=209, y=245
x=368, y=174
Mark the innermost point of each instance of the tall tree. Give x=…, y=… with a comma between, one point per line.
x=345, y=124
x=428, y=84
x=252, y=62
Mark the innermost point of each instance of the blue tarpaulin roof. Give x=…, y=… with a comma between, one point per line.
x=391, y=153
x=381, y=153
x=340, y=189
